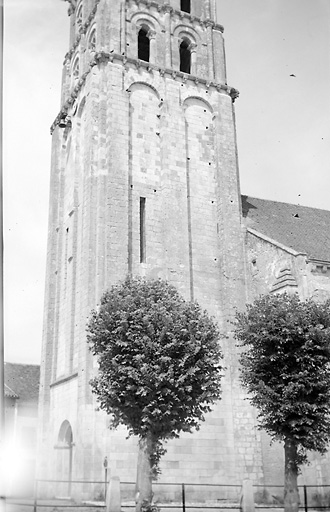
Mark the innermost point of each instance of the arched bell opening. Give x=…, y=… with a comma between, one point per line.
x=186, y=5
x=185, y=56
x=143, y=45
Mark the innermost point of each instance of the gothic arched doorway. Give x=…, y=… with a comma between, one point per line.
x=64, y=459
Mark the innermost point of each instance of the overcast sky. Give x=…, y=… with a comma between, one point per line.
x=283, y=126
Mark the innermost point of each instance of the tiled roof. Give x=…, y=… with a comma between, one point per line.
x=304, y=229
x=22, y=381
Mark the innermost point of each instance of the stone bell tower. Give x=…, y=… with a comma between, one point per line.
x=144, y=181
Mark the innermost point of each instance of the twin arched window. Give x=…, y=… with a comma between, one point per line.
x=143, y=45
x=144, y=49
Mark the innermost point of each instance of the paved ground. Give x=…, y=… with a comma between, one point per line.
x=47, y=506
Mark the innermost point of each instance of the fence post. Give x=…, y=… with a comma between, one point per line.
x=183, y=498
x=2, y=504
x=105, y=465
x=305, y=498
x=113, y=495
x=247, y=500
x=35, y=494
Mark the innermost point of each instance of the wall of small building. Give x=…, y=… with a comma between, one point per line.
x=21, y=422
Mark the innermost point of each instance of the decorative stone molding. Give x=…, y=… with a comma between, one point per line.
x=82, y=30
x=152, y=34
x=167, y=9
x=73, y=4
x=105, y=57
x=233, y=93
x=70, y=101
x=284, y=280
x=209, y=23
x=320, y=267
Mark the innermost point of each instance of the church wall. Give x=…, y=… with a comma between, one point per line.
x=264, y=261
x=319, y=281
x=143, y=137
x=121, y=151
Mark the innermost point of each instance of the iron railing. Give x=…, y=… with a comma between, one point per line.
x=172, y=496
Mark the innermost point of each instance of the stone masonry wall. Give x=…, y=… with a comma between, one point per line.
x=141, y=132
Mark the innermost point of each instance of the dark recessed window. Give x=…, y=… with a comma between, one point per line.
x=142, y=229
x=143, y=45
x=185, y=5
x=92, y=40
x=185, y=57
x=75, y=69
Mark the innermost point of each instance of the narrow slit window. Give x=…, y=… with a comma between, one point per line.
x=142, y=229
x=75, y=69
x=185, y=5
x=143, y=45
x=185, y=57
x=92, y=40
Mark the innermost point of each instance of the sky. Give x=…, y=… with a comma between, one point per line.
x=283, y=127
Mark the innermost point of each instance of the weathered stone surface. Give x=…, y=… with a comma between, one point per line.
x=147, y=130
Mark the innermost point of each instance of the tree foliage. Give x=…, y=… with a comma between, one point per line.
x=285, y=367
x=159, y=359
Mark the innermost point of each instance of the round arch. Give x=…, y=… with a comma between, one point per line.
x=197, y=101
x=135, y=86
x=189, y=33
x=141, y=18
x=64, y=458
x=91, y=38
x=65, y=436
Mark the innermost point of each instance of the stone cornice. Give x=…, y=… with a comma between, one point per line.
x=62, y=380
x=106, y=57
x=72, y=7
x=319, y=263
x=82, y=30
x=181, y=14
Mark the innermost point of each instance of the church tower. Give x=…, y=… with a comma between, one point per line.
x=144, y=181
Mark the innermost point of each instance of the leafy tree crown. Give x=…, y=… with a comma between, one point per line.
x=159, y=359
x=285, y=367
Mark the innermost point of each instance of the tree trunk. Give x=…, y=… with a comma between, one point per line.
x=143, y=487
x=291, y=495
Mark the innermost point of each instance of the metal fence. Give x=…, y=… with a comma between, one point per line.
x=61, y=495
x=311, y=497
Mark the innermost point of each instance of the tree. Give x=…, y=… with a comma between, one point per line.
x=285, y=367
x=159, y=367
